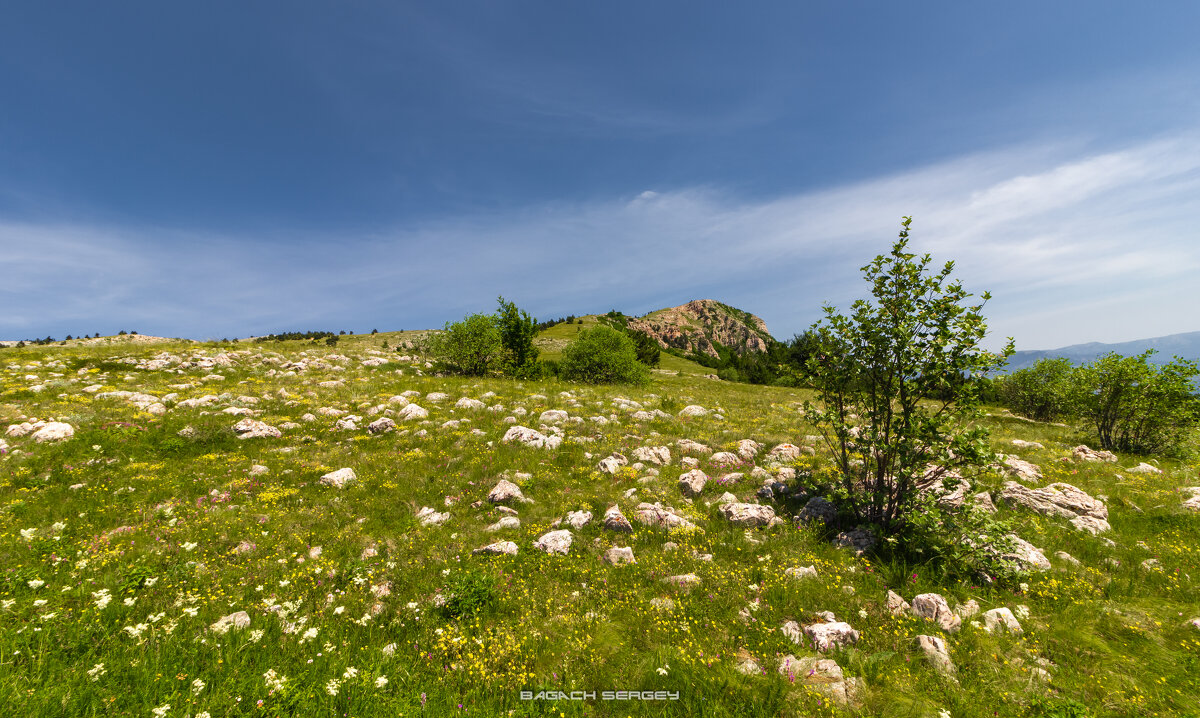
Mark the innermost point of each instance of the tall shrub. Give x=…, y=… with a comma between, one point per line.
x=517, y=330
x=873, y=368
x=603, y=355
x=1044, y=391
x=471, y=346
x=1137, y=406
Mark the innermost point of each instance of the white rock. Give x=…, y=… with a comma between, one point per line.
x=657, y=455
x=578, y=519
x=412, y=411
x=54, y=431
x=1001, y=619
x=614, y=520
x=933, y=607
x=1144, y=468
x=504, y=491
x=340, y=478
x=692, y=483
x=555, y=542
x=381, y=425
x=748, y=515
x=252, y=429
x=801, y=572
x=693, y=410
x=553, y=416
x=528, y=437
x=505, y=522
x=500, y=548
x=935, y=650
x=616, y=556
x=469, y=404
x=430, y=517
x=835, y=634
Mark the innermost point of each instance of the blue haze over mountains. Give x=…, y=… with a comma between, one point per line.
x=1185, y=345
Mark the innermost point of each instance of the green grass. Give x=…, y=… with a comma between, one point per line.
x=178, y=526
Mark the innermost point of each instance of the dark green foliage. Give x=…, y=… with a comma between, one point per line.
x=467, y=593
x=569, y=319
x=470, y=347
x=290, y=336
x=517, y=331
x=603, y=355
x=331, y=340
x=648, y=351
x=1137, y=406
x=1044, y=391
x=873, y=369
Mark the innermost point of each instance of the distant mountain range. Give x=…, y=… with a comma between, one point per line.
x=1186, y=345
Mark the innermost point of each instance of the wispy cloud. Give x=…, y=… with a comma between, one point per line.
x=1075, y=247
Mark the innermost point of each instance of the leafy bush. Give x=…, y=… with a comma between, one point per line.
x=1138, y=406
x=873, y=369
x=964, y=545
x=468, y=593
x=1044, y=391
x=517, y=330
x=648, y=350
x=603, y=355
x=470, y=347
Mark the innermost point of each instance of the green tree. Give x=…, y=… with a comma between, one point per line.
x=517, y=331
x=603, y=355
x=1137, y=406
x=471, y=347
x=648, y=350
x=1044, y=391
x=872, y=370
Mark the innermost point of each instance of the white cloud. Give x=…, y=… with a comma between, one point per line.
x=1075, y=247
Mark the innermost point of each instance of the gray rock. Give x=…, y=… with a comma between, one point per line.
x=578, y=519
x=692, y=483
x=896, y=605
x=252, y=429
x=1001, y=619
x=933, y=607
x=339, y=479
x=799, y=572
x=748, y=515
x=1083, y=453
x=1023, y=470
x=818, y=508
x=822, y=675
x=528, y=437
x=614, y=520
x=616, y=556
x=430, y=517
x=505, y=522
x=824, y=636
x=934, y=648
x=657, y=455
x=505, y=491
x=381, y=425
x=500, y=548
x=555, y=542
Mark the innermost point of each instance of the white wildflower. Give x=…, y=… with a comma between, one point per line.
x=150, y=581
x=256, y=635
x=58, y=526
x=273, y=680
x=161, y=711
x=97, y=671
x=197, y=686
x=381, y=681
x=36, y=583
x=389, y=649
x=27, y=534
x=40, y=602
x=332, y=686
x=338, y=611
x=189, y=546
x=130, y=601
x=351, y=672
x=81, y=564
x=191, y=611
x=308, y=635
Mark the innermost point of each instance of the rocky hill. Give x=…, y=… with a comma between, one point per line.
x=696, y=326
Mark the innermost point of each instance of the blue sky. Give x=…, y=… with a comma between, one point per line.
x=226, y=169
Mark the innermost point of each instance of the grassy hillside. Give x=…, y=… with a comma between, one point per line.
x=125, y=545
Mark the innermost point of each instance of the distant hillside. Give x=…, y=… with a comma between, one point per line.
x=1186, y=345
x=695, y=327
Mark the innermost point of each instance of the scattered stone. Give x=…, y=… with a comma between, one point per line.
x=430, y=517
x=57, y=431
x=1026, y=555
x=1083, y=453
x=799, y=572
x=968, y=609
x=1023, y=470
x=505, y=491
x=555, y=542
x=684, y=582
x=578, y=519
x=1022, y=444
x=783, y=453
x=1194, y=502
x=1067, y=557
x=835, y=634
x=253, y=429
x=933, y=607
x=657, y=455
x=693, y=410
x=1001, y=619
x=500, y=548
x=1086, y=513
x=749, y=667
x=553, y=416
x=692, y=483
x=859, y=539
x=614, y=520
x=935, y=650
x=412, y=412
x=1144, y=468
x=658, y=515
x=471, y=405
x=505, y=522
x=818, y=508
x=688, y=446
x=533, y=439
x=748, y=449
x=822, y=675
x=434, y=397
x=725, y=459
x=748, y=515
x=616, y=556
x=611, y=464
x=381, y=425
x=340, y=478
x=896, y=605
